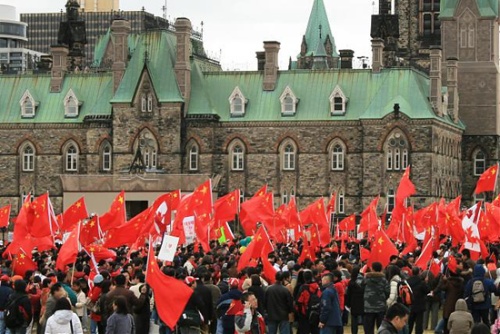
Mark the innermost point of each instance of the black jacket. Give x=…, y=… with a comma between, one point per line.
x=5, y=292
x=278, y=302
x=387, y=328
x=354, y=295
x=206, y=296
x=420, y=290
x=25, y=303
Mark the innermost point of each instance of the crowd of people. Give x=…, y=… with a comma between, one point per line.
x=323, y=295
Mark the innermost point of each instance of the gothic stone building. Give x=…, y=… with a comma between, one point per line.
x=165, y=117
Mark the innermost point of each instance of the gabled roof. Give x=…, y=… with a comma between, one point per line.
x=155, y=52
x=487, y=8
x=317, y=19
x=371, y=96
x=94, y=89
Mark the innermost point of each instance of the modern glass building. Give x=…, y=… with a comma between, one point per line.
x=14, y=56
x=43, y=27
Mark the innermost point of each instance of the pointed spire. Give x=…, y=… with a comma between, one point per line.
x=318, y=28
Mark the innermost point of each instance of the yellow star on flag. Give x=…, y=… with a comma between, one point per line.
x=380, y=241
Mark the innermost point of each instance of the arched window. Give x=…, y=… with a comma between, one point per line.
x=338, y=101
x=289, y=157
x=28, y=158
x=193, y=158
x=479, y=163
x=284, y=197
x=106, y=157
x=237, y=159
x=28, y=105
x=337, y=157
x=150, y=103
x=71, y=158
x=397, y=150
x=144, y=103
x=71, y=104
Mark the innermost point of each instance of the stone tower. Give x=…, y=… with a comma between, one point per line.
x=470, y=34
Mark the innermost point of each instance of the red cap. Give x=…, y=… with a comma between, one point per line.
x=234, y=282
x=5, y=278
x=189, y=280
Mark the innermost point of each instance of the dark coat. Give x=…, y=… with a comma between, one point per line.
x=420, y=290
x=258, y=291
x=489, y=288
x=5, y=292
x=330, y=314
x=387, y=328
x=132, y=300
x=206, y=296
x=453, y=286
x=223, y=305
x=278, y=302
x=354, y=295
x=25, y=303
x=377, y=290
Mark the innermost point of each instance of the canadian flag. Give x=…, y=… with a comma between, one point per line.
x=470, y=227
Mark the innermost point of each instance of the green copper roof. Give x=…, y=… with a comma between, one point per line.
x=93, y=90
x=370, y=96
x=318, y=25
x=487, y=8
x=155, y=52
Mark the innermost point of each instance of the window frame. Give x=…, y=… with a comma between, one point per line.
x=337, y=157
x=288, y=102
x=237, y=95
x=28, y=103
x=336, y=94
x=477, y=161
x=391, y=199
x=71, y=105
x=193, y=157
x=106, y=156
x=237, y=158
x=28, y=158
x=71, y=158
x=289, y=157
x=340, y=207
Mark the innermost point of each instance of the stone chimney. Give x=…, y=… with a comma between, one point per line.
x=59, y=67
x=452, y=81
x=182, y=62
x=261, y=60
x=346, y=58
x=377, y=55
x=435, y=87
x=271, y=66
x=120, y=29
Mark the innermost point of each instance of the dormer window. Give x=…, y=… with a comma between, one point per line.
x=71, y=104
x=237, y=102
x=28, y=105
x=288, y=102
x=338, y=102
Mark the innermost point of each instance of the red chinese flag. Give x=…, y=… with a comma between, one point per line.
x=128, y=233
x=330, y=207
x=488, y=180
x=369, y=218
x=364, y=254
x=69, y=250
x=258, y=247
x=171, y=295
x=226, y=207
x=423, y=260
x=348, y=223
x=23, y=263
x=259, y=208
x=452, y=264
x=40, y=223
x=100, y=253
x=382, y=249
x=116, y=215
x=202, y=208
x=405, y=188
x=435, y=268
x=89, y=231
x=267, y=269
x=315, y=214
x=73, y=214
x=5, y=216
x=306, y=253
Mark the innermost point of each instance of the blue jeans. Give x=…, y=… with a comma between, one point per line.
x=2, y=323
x=331, y=330
x=283, y=326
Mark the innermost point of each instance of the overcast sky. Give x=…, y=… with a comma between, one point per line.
x=235, y=29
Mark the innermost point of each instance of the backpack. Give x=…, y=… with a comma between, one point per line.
x=313, y=307
x=405, y=294
x=478, y=293
x=14, y=314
